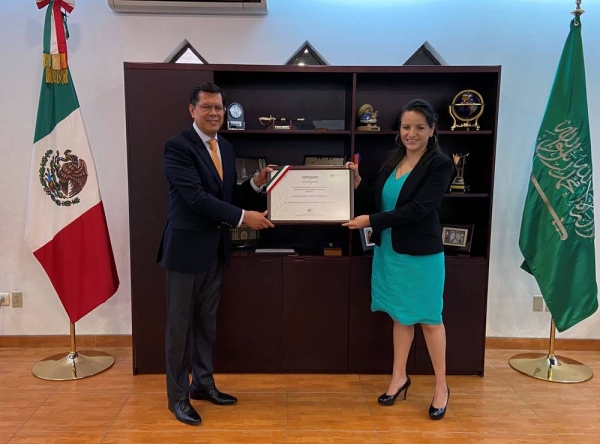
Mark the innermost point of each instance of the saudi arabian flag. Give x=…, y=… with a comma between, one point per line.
x=557, y=230
x=66, y=228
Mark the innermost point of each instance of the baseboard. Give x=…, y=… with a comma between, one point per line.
x=542, y=344
x=125, y=341
x=86, y=341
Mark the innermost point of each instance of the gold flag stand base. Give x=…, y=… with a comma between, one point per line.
x=74, y=365
x=550, y=367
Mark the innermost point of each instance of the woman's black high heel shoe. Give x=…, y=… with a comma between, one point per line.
x=439, y=413
x=386, y=399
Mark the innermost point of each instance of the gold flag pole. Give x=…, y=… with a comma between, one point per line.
x=550, y=367
x=74, y=365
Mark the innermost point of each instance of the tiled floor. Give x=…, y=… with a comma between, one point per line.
x=116, y=407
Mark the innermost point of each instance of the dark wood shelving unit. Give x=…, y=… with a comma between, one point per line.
x=288, y=132
x=441, y=132
x=308, y=312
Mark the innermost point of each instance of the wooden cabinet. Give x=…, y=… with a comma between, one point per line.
x=370, y=346
x=464, y=319
x=316, y=314
x=249, y=323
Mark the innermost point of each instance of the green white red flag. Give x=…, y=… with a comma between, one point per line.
x=66, y=227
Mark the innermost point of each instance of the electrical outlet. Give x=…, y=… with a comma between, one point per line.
x=17, y=299
x=4, y=299
x=538, y=303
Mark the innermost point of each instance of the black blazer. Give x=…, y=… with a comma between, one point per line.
x=201, y=206
x=415, y=221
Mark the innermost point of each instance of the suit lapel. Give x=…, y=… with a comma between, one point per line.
x=205, y=155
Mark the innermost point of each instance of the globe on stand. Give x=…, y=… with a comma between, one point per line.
x=467, y=107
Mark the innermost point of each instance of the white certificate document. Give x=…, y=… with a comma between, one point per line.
x=312, y=194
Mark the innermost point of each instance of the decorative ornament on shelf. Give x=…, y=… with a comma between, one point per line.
x=282, y=123
x=467, y=107
x=235, y=117
x=368, y=118
x=458, y=184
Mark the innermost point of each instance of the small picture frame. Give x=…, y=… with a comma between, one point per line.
x=457, y=237
x=365, y=238
x=324, y=160
x=248, y=167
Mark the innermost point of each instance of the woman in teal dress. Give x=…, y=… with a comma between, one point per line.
x=408, y=273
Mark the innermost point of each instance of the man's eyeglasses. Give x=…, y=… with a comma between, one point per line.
x=208, y=108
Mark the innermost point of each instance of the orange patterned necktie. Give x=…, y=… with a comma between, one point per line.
x=215, y=157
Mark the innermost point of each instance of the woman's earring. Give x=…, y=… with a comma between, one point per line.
x=396, y=141
x=435, y=142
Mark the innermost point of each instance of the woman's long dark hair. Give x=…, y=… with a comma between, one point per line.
x=425, y=108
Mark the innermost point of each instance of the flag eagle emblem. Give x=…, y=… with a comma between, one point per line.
x=63, y=177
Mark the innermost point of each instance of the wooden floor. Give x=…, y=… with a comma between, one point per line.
x=116, y=407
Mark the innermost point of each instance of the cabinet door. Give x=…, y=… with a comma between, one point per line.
x=249, y=316
x=151, y=119
x=371, y=348
x=315, y=314
x=465, y=296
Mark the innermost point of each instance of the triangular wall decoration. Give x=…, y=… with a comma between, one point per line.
x=425, y=55
x=306, y=55
x=185, y=53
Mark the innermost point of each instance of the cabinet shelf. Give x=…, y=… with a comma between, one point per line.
x=466, y=133
x=287, y=132
x=468, y=195
x=441, y=132
x=376, y=133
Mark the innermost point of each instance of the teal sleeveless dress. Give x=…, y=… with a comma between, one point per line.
x=408, y=288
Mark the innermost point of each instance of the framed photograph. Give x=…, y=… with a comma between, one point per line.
x=248, y=167
x=457, y=237
x=324, y=160
x=365, y=238
x=317, y=194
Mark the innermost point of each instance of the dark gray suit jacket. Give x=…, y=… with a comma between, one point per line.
x=202, y=208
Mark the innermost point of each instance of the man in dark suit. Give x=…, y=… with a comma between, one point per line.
x=204, y=203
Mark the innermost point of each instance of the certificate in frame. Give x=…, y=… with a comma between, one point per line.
x=324, y=160
x=316, y=194
x=365, y=238
x=248, y=167
x=457, y=237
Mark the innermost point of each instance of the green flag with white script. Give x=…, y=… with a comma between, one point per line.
x=557, y=229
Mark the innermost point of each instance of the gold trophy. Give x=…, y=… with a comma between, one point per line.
x=467, y=106
x=368, y=118
x=458, y=184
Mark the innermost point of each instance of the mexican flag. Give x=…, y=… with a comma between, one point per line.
x=558, y=230
x=66, y=228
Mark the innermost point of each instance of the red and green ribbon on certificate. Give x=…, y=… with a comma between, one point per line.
x=276, y=178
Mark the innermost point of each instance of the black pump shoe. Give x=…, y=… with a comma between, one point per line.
x=386, y=399
x=439, y=413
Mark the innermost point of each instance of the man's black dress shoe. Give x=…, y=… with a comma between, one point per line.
x=184, y=412
x=439, y=413
x=213, y=395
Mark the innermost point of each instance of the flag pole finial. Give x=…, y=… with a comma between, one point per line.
x=577, y=11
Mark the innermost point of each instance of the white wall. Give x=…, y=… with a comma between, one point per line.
x=524, y=36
